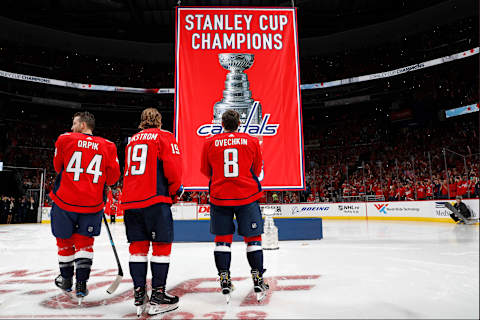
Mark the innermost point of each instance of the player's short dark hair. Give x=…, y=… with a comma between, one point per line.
x=150, y=118
x=230, y=120
x=86, y=117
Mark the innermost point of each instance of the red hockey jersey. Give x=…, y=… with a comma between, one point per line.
x=233, y=162
x=84, y=164
x=153, y=169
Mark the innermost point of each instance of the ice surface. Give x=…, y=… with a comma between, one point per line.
x=360, y=269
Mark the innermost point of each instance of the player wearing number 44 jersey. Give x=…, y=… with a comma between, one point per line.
x=233, y=162
x=152, y=181
x=84, y=164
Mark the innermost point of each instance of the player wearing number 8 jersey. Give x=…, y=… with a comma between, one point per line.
x=84, y=164
x=233, y=163
x=152, y=180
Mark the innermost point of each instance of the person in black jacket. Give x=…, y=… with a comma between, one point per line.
x=32, y=210
x=10, y=209
x=462, y=208
x=22, y=210
x=3, y=209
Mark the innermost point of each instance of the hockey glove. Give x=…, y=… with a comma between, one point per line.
x=176, y=197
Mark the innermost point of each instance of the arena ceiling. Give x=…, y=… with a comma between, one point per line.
x=152, y=20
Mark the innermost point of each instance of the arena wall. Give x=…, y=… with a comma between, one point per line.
x=430, y=210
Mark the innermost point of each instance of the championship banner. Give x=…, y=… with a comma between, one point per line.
x=245, y=59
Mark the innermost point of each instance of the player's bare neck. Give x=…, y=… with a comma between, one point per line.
x=148, y=128
x=87, y=131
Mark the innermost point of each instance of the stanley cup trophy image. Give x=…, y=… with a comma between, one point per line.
x=237, y=95
x=270, y=231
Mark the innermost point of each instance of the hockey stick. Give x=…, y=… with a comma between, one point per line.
x=119, y=277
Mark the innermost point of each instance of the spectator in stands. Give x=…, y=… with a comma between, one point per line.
x=275, y=198
x=203, y=198
x=452, y=187
x=21, y=210
x=421, y=195
x=32, y=210
x=477, y=187
x=462, y=186
x=444, y=189
x=436, y=185
x=409, y=194
x=311, y=198
x=428, y=189
x=392, y=193
x=193, y=197
x=378, y=189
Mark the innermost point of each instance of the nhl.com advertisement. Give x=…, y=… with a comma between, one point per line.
x=242, y=59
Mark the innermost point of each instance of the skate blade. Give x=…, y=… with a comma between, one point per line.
x=141, y=310
x=228, y=297
x=161, y=308
x=68, y=294
x=261, y=295
x=227, y=293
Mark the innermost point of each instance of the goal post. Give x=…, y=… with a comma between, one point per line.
x=16, y=174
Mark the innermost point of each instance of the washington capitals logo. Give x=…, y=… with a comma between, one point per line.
x=382, y=208
x=263, y=129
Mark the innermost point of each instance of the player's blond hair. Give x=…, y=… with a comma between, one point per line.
x=150, y=118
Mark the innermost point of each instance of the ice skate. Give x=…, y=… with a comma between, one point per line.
x=141, y=300
x=226, y=285
x=81, y=291
x=161, y=302
x=65, y=285
x=259, y=286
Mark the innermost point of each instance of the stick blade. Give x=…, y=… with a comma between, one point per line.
x=115, y=284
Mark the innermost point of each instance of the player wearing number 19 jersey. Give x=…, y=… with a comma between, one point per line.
x=84, y=164
x=233, y=162
x=153, y=173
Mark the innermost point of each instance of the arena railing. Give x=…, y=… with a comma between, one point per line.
x=311, y=86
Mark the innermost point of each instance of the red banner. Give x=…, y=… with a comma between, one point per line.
x=245, y=59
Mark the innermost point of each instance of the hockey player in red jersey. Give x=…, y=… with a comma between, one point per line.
x=233, y=162
x=84, y=164
x=152, y=178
